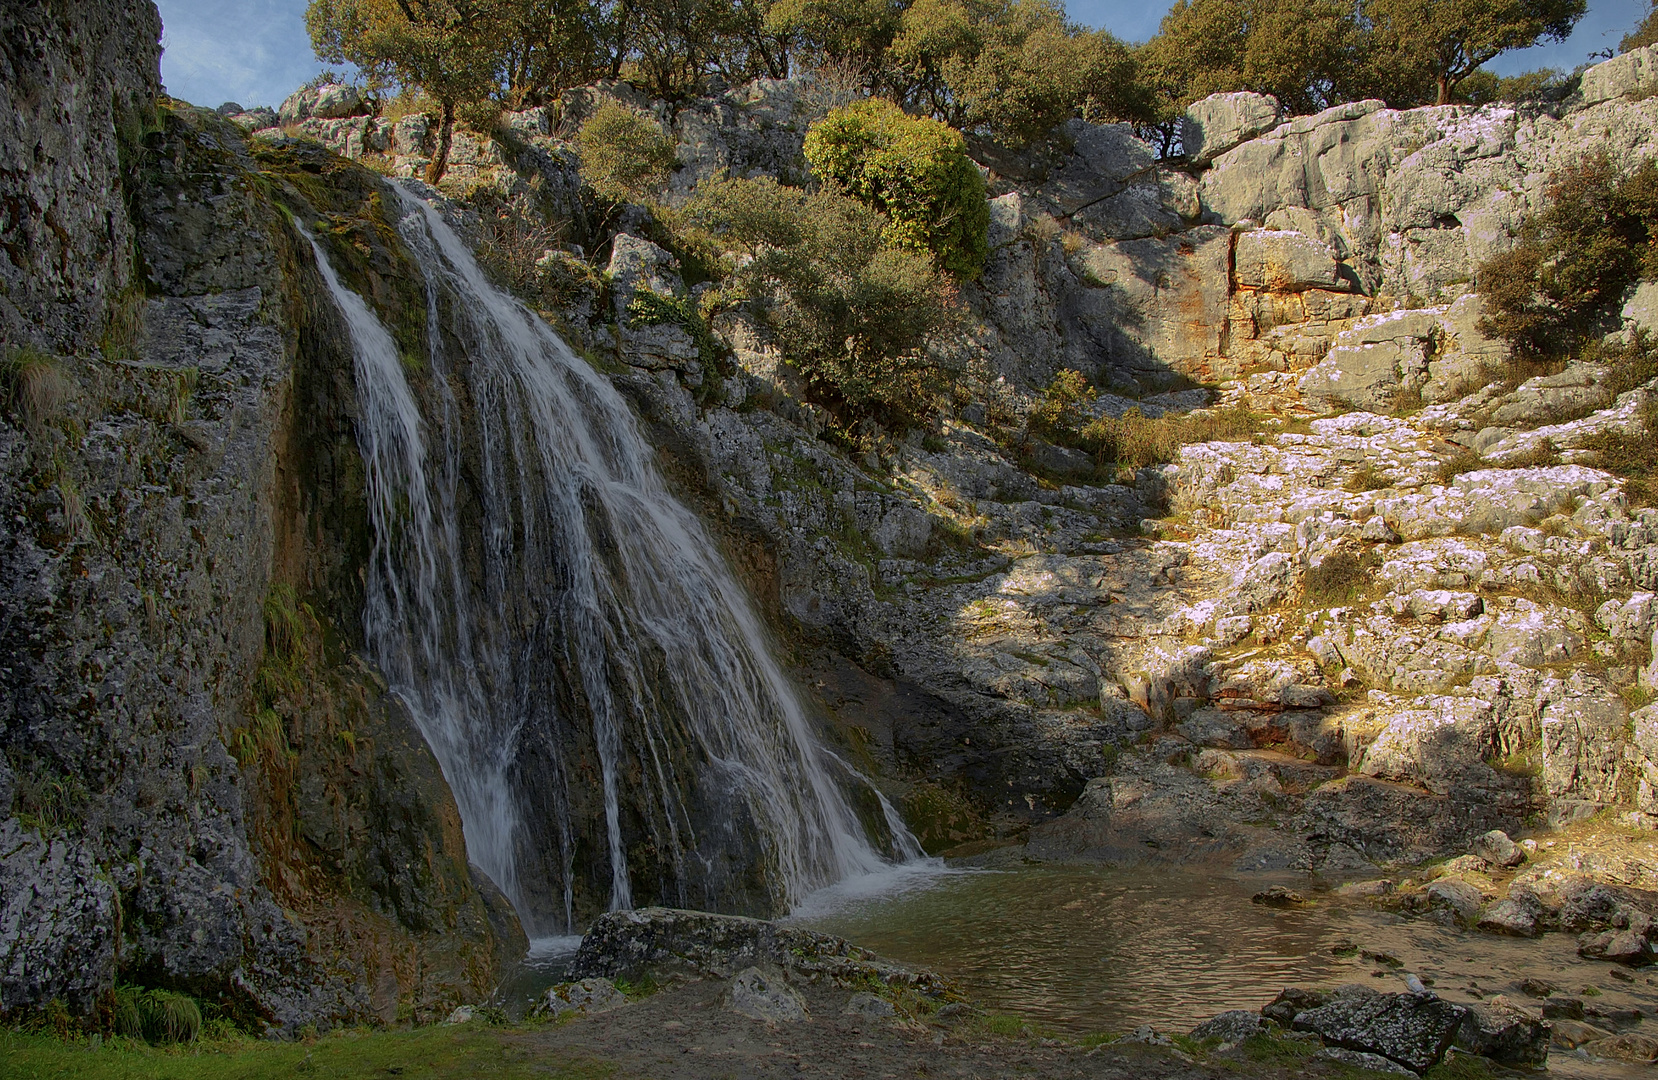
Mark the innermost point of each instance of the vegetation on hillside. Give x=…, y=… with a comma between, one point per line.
x=1575, y=261
x=853, y=308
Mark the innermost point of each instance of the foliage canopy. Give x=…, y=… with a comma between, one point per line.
x=1575, y=260
x=915, y=171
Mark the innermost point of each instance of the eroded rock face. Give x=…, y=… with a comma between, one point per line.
x=182, y=795
x=67, y=235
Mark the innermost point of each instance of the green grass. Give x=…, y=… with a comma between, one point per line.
x=464, y=1052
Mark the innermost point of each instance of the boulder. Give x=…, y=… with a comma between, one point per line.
x=1618, y=946
x=330, y=101
x=1457, y=897
x=1503, y=1032
x=1283, y=261
x=1412, y=1029
x=667, y=941
x=1631, y=1047
x=1291, y=1002
x=1279, y=897
x=1358, y=1059
x=767, y=998
x=1232, y=1026
x=585, y=996
x=1571, y=1034
x=1512, y=916
x=1495, y=847
x=1633, y=74
x=1219, y=122
x=256, y=119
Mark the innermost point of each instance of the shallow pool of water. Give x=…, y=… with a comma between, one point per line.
x=1083, y=949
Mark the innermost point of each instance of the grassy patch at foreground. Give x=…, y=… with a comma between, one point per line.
x=464, y=1052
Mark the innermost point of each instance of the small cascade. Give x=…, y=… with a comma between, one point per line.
x=588, y=672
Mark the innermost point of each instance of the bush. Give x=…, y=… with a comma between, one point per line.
x=624, y=155
x=1135, y=440
x=853, y=311
x=1574, y=261
x=1339, y=577
x=915, y=171
x=1059, y=415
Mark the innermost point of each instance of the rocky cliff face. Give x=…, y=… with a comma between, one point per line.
x=1365, y=635
x=201, y=787
x=1165, y=656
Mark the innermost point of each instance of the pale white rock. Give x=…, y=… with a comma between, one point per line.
x=1633, y=73
x=1282, y=261
x=1219, y=122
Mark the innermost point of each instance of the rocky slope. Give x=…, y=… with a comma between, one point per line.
x=1408, y=610
x=202, y=787
x=1350, y=640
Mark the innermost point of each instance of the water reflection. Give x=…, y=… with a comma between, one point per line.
x=1082, y=949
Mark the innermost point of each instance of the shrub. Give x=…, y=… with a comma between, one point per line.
x=1574, y=261
x=1059, y=414
x=1339, y=577
x=624, y=155
x=853, y=311
x=1135, y=440
x=1634, y=457
x=915, y=171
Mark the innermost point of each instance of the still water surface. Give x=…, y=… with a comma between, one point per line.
x=1084, y=949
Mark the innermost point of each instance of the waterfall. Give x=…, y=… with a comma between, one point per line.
x=591, y=677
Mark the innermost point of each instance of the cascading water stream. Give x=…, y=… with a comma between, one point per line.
x=591, y=677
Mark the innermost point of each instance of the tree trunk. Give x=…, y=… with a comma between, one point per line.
x=440, y=161
x=1444, y=89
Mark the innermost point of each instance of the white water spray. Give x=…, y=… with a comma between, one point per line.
x=561, y=628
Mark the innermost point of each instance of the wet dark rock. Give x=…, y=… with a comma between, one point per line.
x=1563, y=1008
x=1279, y=897
x=1504, y=1033
x=1232, y=1026
x=1537, y=988
x=1290, y=1002
x=1412, y=1029
x=668, y=941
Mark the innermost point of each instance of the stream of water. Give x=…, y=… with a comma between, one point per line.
x=589, y=674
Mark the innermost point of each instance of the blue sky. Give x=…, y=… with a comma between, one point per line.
x=256, y=51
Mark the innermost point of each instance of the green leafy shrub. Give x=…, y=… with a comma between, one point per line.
x=625, y=157
x=1059, y=414
x=649, y=308
x=915, y=171
x=855, y=312
x=1574, y=261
